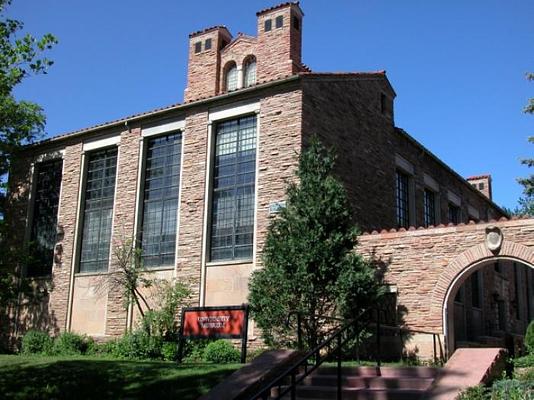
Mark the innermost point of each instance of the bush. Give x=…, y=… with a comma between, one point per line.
x=221, y=352
x=100, y=349
x=529, y=338
x=194, y=349
x=169, y=351
x=475, y=393
x=71, y=344
x=525, y=375
x=36, y=342
x=512, y=389
x=138, y=346
x=524, y=362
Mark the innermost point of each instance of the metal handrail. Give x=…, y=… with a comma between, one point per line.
x=292, y=372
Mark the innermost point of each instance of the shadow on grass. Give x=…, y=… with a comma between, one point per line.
x=107, y=379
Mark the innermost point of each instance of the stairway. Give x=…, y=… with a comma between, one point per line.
x=369, y=383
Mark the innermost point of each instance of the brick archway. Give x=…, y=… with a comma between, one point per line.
x=463, y=265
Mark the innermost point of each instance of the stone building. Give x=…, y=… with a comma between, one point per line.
x=197, y=184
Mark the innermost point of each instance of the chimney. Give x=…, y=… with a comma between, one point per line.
x=482, y=183
x=279, y=41
x=204, y=62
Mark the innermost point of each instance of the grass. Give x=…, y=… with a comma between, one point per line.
x=42, y=377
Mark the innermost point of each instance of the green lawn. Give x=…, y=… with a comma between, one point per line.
x=40, y=377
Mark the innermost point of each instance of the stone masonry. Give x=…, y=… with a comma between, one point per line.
x=351, y=112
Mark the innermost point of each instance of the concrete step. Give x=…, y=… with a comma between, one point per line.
x=370, y=382
x=329, y=392
x=386, y=372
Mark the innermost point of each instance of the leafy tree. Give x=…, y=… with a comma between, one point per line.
x=158, y=317
x=21, y=122
x=526, y=202
x=309, y=263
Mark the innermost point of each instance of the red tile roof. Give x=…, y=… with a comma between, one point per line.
x=281, y=5
x=378, y=74
x=487, y=176
x=206, y=30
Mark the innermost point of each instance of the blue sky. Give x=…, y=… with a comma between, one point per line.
x=458, y=66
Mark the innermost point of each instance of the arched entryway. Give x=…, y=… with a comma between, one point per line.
x=488, y=292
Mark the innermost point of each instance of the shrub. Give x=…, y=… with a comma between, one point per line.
x=71, y=344
x=529, y=338
x=475, y=393
x=512, y=389
x=99, y=349
x=525, y=375
x=138, y=345
x=36, y=342
x=169, y=351
x=194, y=349
x=221, y=352
x=524, y=362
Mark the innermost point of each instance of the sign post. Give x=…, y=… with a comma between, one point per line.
x=226, y=322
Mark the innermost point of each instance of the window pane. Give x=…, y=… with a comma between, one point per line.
x=402, y=202
x=232, y=211
x=250, y=73
x=231, y=78
x=98, y=210
x=43, y=232
x=160, y=206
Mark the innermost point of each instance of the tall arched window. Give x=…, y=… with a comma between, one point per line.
x=250, y=71
x=231, y=76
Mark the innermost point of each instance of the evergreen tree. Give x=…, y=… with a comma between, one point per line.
x=309, y=263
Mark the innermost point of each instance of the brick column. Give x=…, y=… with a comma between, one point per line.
x=189, y=265
x=68, y=208
x=123, y=221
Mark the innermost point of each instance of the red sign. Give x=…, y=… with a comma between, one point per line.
x=223, y=322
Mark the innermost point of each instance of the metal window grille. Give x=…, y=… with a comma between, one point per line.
x=98, y=210
x=402, y=200
x=231, y=78
x=429, y=207
x=232, y=211
x=160, y=203
x=454, y=214
x=250, y=73
x=44, y=221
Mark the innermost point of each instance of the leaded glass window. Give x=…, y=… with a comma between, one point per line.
x=232, y=211
x=44, y=221
x=250, y=72
x=402, y=199
x=98, y=210
x=429, y=201
x=160, y=203
x=231, y=78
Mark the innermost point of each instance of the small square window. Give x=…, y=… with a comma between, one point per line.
x=279, y=21
x=198, y=47
x=296, y=23
x=481, y=186
x=207, y=44
x=268, y=25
